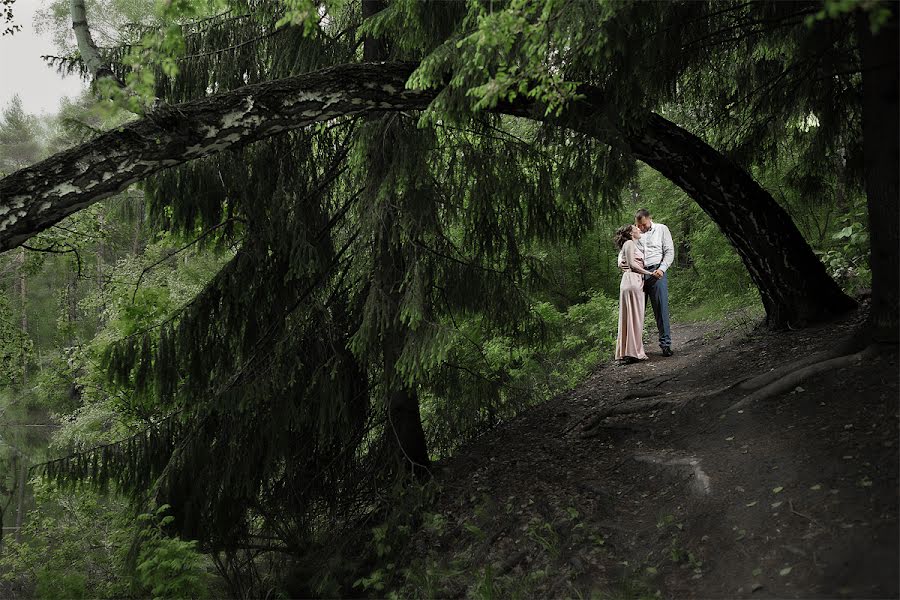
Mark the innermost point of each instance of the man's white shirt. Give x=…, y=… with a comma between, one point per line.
x=656, y=244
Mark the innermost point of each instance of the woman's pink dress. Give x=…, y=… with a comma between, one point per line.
x=629, y=341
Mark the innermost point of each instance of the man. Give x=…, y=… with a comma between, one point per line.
x=659, y=253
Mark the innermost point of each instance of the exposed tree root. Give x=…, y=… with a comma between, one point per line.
x=591, y=427
x=624, y=409
x=638, y=395
x=768, y=377
x=657, y=380
x=795, y=377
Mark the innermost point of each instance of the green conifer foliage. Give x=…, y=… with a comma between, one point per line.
x=369, y=258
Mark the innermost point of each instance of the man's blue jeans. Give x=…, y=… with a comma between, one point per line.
x=657, y=291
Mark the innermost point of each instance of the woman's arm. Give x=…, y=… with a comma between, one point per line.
x=631, y=261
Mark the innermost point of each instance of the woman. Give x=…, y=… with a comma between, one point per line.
x=629, y=342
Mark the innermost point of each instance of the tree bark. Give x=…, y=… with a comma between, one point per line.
x=881, y=156
x=23, y=307
x=404, y=433
x=374, y=49
x=22, y=480
x=793, y=283
x=86, y=46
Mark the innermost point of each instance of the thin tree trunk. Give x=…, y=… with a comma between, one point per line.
x=138, y=228
x=684, y=258
x=101, y=250
x=21, y=477
x=881, y=155
x=23, y=307
x=374, y=49
x=93, y=62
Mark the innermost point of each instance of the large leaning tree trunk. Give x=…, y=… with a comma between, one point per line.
x=794, y=286
x=881, y=156
x=793, y=283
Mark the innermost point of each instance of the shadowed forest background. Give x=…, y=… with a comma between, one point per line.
x=235, y=371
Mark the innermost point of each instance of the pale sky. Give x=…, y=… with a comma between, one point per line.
x=22, y=71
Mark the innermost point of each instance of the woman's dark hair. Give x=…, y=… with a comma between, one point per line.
x=623, y=234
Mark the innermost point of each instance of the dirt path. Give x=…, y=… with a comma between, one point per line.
x=794, y=497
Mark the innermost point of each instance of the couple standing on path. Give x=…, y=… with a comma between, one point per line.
x=645, y=253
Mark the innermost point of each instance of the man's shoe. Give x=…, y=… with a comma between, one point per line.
x=667, y=351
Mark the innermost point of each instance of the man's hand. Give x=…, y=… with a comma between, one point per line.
x=658, y=274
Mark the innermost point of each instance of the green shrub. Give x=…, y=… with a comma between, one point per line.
x=169, y=567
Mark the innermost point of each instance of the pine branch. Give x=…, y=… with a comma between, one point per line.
x=230, y=48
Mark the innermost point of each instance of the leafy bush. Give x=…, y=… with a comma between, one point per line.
x=167, y=566
x=847, y=257
x=74, y=545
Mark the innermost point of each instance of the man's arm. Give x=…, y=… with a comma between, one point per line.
x=668, y=250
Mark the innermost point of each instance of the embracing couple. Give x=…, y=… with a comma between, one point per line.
x=645, y=252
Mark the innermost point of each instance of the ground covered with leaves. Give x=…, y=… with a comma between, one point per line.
x=792, y=496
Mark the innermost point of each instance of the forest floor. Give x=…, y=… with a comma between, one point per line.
x=793, y=496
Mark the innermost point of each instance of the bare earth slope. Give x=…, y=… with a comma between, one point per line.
x=794, y=496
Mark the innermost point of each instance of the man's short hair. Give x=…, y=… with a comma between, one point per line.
x=641, y=214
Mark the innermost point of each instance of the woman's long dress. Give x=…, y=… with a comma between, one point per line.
x=629, y=341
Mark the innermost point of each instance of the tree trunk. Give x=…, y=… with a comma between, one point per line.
x=23, y=307
x=136, y=238
x=404, y=432
x=793, y=283
x=22, y=480
x=39, y=196
x=71, y=305
x=881, y=156
x=683, y=257
x=86, y=46
x=374, y=49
